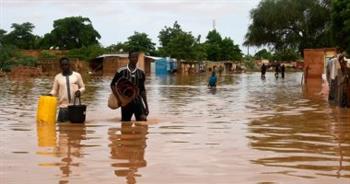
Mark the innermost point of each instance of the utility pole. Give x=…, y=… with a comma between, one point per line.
x=214, y=24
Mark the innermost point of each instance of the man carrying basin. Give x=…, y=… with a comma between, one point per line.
x=129, y=83
x=67, y=85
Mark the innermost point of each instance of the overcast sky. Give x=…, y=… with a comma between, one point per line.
x=115, y=20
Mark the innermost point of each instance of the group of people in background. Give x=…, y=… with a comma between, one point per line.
x=279, y=68
x=338, y=78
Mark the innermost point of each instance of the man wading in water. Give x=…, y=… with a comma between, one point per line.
x=212, y=80
x=136, y=76
x=64, y=92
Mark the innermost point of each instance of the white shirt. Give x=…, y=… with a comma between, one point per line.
x=59, y=88
x=347, y=61
x=335, y=66
x=333, y=70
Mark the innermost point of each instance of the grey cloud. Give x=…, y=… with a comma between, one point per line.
x=118, y=19
x=197, y=8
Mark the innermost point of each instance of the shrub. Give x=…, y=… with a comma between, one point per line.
x=47, y=54
x=27, y=61
x=86, y=53
x=7, y=57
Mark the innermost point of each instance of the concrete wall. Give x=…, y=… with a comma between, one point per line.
x=141, y=62
x=314, y=61
x=25, y=71
x=51, y=66
x=148, y=67
x=113, y=63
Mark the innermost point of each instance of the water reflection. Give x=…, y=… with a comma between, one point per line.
x=212, y=91
x=312, y=89
x=69, y=147
x=46, y=133
x=294, y=142
x=127, y=148
x=267, y=130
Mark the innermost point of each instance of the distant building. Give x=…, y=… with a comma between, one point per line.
x=163, y=66
x=227, y=66
x=190, y=67
x=262, y=61
x=110, y=63
x=315, y=61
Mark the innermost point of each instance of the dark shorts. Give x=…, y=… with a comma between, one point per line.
x=63, y=115
x=136, y=108
x=332, y=90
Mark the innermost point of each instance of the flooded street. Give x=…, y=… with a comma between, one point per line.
x=246, y=131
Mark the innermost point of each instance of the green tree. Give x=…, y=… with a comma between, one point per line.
x=181, y=46
x=177, y=43
x=221, y=49
x=70, y=33
x=199, y=52
x=47, y=41
x=140, y=42
x=263, y=54
x=21, y=36
x=230, y=51
x=117, y=48
x=213, y=45
x=341, y=23
x=286, y=55
x=290, y=25
x=166, y=34
x=2, y=35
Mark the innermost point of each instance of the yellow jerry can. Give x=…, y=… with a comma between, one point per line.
x=46, y=112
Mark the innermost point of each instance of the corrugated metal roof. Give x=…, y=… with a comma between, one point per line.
x=154, y=57
x=113, y=55
x=157, y=58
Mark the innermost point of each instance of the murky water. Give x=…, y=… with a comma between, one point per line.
x=247, y=131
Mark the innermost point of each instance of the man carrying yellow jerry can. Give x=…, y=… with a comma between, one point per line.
x=66, y=86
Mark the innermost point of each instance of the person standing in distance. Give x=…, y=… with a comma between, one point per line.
x=283, y=70
x=212, y=80
x=263, y=70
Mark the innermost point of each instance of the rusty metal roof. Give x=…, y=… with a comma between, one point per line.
x=113, y=55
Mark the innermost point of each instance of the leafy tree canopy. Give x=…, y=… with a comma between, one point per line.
x=213, y=45
x=70, y=33
x=21, y=36
x=2, y=35
x=263, y=54
x=140, y=42
x=177, y=43
x=221, y=49
x=230, y=51
x=117, y=48
x=290, y=25
x=341, y=23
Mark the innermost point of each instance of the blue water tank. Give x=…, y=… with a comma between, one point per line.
x=161, y=67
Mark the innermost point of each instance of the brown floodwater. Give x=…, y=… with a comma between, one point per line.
x=248, y=130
